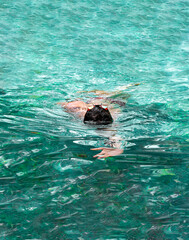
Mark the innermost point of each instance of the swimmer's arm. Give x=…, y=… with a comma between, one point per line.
x=116, y=148
x=109, y=94
x=107, y=152
x=62, y=104
x=65, y=106
x=121, y=89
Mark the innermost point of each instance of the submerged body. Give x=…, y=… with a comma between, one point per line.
x=79, y=108
x=100, y=110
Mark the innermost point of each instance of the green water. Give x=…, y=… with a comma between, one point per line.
x=51, y=187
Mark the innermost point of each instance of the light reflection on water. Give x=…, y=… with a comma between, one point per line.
x=51, y=181
x=51, y=186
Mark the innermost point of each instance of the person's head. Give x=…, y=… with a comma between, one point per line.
x=98, y=115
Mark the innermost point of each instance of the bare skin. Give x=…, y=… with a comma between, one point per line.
x=79, y=108
x=107, y=152
x=109, y=94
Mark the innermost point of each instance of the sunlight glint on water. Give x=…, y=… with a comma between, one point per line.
x=51, y=186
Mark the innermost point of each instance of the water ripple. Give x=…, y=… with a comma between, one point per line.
x=51, y=186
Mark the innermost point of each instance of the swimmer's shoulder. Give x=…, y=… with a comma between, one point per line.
x=74, y=102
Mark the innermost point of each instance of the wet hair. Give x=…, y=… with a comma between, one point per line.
x=98, y=116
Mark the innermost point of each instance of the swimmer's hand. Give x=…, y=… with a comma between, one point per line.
x=107, y=152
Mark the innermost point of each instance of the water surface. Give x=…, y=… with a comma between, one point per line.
x=51, y=186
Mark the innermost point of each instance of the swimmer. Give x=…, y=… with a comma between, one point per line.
x=100, y=111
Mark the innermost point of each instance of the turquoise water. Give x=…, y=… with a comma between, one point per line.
x=51, y=187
